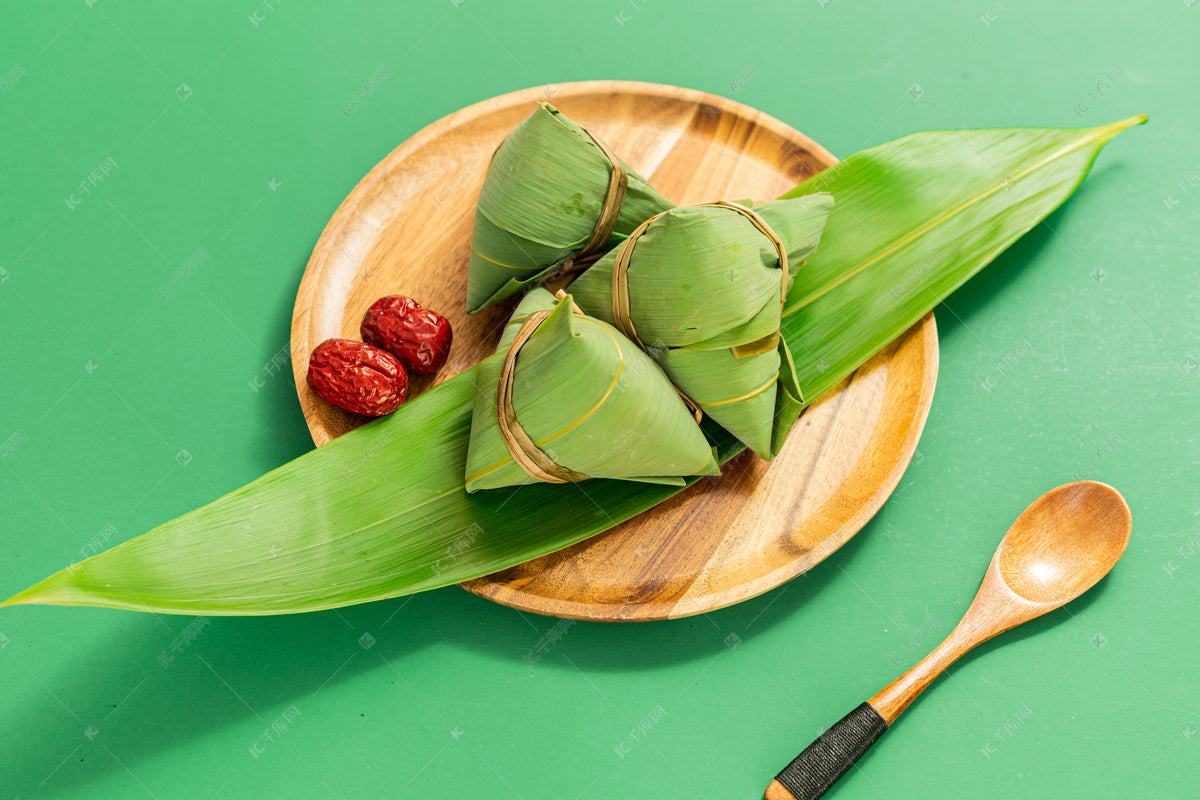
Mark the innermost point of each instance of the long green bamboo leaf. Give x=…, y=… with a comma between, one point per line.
x=382, y=511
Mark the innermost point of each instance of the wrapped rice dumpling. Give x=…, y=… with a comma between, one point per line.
x=701, y=289
x=554, y=195
x=572, y=399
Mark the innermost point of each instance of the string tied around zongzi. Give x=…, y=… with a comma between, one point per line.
x=622, y=317
x=525, y=452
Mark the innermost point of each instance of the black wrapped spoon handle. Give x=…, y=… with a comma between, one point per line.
x=829, y=757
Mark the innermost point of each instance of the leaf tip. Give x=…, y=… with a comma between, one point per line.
x=1117, y=127
x=35, y=594
x=17, y=599
x=1105, y=133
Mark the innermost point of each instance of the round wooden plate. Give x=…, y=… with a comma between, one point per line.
x=406, y=229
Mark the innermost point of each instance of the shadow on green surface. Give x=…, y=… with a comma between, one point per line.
x=238, y=669
x=990, y=282
x=284, y=434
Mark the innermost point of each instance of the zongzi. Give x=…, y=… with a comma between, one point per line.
x=701, y=289
x=554, y=196
x=567, y=398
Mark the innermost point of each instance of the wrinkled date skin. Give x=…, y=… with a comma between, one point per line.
x=357, y=377
x=420, y=338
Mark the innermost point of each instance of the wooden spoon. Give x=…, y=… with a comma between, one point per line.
x=1059, y=547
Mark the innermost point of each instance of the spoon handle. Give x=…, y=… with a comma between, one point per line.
x=829, y=757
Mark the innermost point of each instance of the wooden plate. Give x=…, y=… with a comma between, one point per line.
x=406, y=229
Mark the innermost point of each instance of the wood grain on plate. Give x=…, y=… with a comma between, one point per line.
x=406, y=229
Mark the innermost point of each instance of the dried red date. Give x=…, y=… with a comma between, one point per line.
x=420, y=338
x=357, y=377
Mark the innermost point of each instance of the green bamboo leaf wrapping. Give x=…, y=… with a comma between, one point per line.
x=590, y=399
x=365, y=517
x=540, y=201
x=704, y=280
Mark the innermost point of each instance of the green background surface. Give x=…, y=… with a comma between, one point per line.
x=237, y=128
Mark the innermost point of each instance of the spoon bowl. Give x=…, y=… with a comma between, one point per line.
x=1064, y=543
